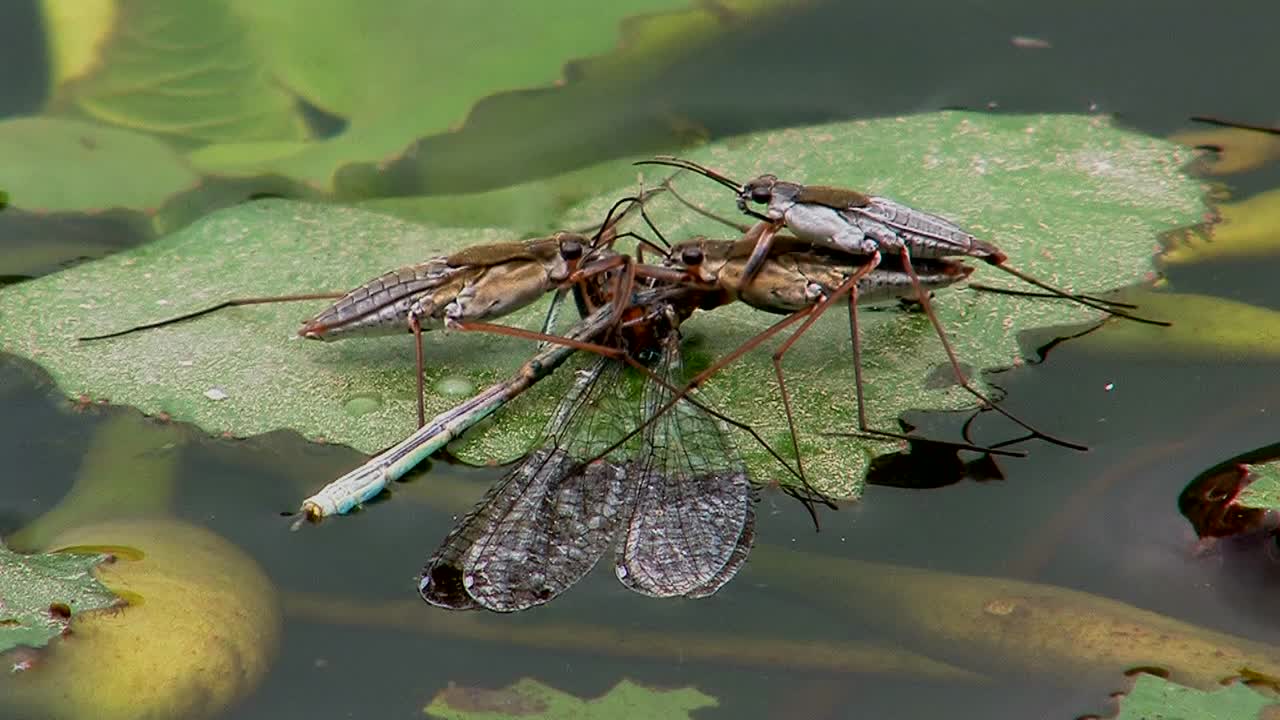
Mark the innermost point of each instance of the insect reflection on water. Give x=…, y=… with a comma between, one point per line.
x=674, y=501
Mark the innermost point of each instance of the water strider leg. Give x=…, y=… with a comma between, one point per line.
x=923, y=296
x=622, y=356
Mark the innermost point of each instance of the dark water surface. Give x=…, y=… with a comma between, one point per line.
x=1105, y=522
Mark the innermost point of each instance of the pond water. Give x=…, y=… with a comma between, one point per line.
x=779, y=640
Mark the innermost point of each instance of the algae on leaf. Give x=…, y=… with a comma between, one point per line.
x=528, y=698
x=1072, y=199
x=40, y=593
x=1154, y=697
x=1263, y=489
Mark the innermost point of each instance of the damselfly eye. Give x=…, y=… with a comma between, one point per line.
x=570, y=249
x=691, y=257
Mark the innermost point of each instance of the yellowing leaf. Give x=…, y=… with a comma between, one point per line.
x=1240, y=150
x=1247, y=228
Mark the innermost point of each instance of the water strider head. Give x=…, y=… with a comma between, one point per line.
x=778, y=196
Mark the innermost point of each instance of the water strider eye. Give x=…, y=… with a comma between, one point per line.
x=761, y=192
x=570, y=249
x=691, y=257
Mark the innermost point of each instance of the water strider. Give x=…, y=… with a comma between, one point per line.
x=871, y=227
x=472, y=284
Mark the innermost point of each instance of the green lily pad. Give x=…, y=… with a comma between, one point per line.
x=193, y=71
x=1153, y=697
x=1263, y=490
x=113, y=168
x=1071, y=199
x=528, y=698
x=374, y=78
x=40, y=593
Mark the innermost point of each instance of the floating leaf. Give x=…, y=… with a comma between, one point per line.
x=1153, y=697
x=373, y=80
x=200, y=630
x=528, y=698
x=1249, y=228
x=40, y=593
x=1213, y=501
x=1263, y=489
x=189, y=70
x=112, y=168
x=1071, y=199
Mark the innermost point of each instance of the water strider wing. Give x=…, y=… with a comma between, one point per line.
x=548, y=520
x=692, y=519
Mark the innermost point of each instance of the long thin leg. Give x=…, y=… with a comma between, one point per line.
x=1073, y=297
x=850, y=286
x=622, y=356
x=923, y=296
x=981, y=287
x=415, y=326
x=235, y=302
x=678, y=395
x=864, y=426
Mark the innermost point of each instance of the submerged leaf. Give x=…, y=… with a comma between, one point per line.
x=1236, y=150
x=40, y=593
x=1071, y=199
x=989, y=624
x=1154, y=697
x=1249, y=228
x=528, y=698
x=1203, y=326
x=201, y=628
